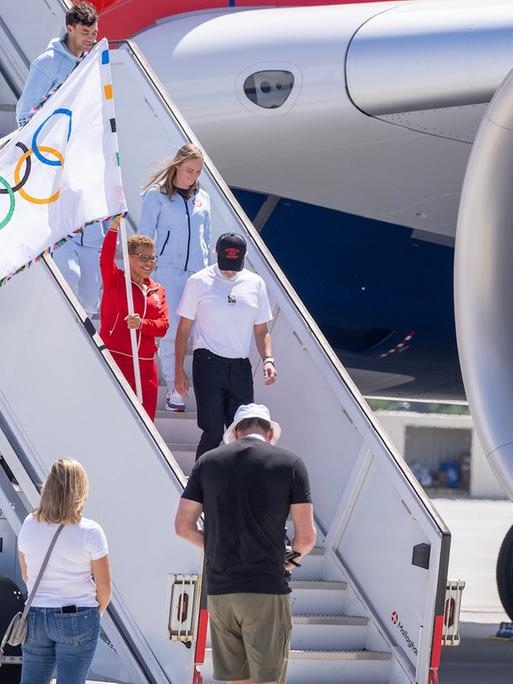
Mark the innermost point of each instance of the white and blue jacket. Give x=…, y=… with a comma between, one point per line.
x=47, y=72
x=180, y=228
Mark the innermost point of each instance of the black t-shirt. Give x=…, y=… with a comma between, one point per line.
x=246, y=489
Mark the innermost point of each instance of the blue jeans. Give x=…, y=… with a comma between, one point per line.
x=63, y=640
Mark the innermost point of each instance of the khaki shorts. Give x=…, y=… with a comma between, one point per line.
x=250, y=636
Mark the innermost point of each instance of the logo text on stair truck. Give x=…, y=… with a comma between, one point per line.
x=404, y=632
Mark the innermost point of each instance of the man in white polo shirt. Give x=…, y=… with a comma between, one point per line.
x=228, y=305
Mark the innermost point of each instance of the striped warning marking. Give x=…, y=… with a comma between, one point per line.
x=399, y=348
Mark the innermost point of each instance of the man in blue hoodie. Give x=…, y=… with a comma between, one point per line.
x=50, y=70
x=78, y=258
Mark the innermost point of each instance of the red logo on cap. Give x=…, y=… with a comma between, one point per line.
x=232, y=252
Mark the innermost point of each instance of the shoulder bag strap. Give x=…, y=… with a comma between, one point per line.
x=41, y=571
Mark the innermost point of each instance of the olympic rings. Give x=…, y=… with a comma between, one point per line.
x=35, y=147
x=25, y=195
x=9, y=190
x=5, y=191
x=12, y=203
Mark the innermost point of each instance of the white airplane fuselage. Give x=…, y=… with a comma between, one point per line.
x=385, y=103
x=384, y=100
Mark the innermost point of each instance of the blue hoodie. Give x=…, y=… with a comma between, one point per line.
x=47, y=72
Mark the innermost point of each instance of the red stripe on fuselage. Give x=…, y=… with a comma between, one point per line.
x=121, y=19
x=299, y=3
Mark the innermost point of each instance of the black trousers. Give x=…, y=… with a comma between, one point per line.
x=221, y=385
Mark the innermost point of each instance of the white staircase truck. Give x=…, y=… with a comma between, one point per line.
x=368, y=602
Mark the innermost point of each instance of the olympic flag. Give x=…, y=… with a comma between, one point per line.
x=61, y=172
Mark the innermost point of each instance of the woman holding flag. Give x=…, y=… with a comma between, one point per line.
x=149, y=320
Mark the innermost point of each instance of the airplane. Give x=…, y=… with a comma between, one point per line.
x=344, y=131
x=382, y=164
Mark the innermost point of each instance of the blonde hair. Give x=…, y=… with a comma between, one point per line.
x=64, y=493
x=136, y=241
x=164, y=177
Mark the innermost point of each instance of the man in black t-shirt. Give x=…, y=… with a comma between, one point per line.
x=246, y=488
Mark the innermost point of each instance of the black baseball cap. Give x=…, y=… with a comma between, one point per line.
x=231, y=250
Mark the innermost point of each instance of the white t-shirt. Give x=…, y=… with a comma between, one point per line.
x=67, y=578
x=225, y=310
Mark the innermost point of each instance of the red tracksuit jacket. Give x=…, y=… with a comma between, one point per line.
x=150, y=305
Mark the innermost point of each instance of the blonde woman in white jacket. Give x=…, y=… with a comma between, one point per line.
x=176, y=214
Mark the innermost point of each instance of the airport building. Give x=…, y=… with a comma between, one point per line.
x=444, y=453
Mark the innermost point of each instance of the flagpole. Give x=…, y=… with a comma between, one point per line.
x=130, y=301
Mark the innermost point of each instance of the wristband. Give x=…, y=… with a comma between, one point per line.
x=268, y=359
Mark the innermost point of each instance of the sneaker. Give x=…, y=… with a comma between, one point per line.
x=505, y=631
x=175, y=402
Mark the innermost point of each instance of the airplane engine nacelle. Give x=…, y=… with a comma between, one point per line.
x=425, y=56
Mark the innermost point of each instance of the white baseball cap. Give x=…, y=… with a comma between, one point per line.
x=252, y=411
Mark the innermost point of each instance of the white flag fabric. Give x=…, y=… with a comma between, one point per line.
x=61, y=171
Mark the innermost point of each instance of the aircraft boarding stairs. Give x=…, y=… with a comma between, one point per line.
x=367, y=603
x=332, y=639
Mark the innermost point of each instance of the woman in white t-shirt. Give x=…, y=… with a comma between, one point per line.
x=64, y=619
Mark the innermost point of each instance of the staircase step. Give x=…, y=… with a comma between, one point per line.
x=176, y=415
x=312, y=565
x=185, y=455
x=309, y=619
x=318, y=597
x=327, y=666
x=182, y=447
x=178, y=428
x=335, y=654
x=328, y=632
x=318, y=585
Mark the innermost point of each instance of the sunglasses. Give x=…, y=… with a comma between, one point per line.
x=146, y=259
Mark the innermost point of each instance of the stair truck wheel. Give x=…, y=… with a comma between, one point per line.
x=505, y=573
x=11, y=601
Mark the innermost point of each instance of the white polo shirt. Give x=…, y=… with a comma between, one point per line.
x=225, y=310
